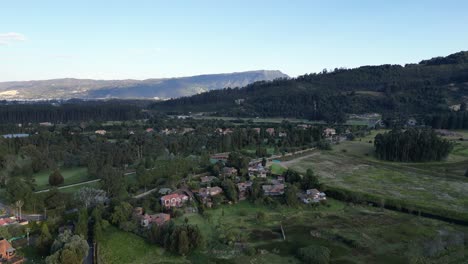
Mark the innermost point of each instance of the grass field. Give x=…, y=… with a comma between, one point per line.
x=122, y=247
x=352, y=165
x=72, y=175
x=354, y=234
x=274, y=120
x=277, y=169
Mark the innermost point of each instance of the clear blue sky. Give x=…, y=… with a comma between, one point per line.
x=149, y=39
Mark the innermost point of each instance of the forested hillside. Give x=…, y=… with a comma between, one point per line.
x=429, y=87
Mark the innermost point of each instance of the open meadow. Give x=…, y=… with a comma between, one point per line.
x=435, y=186
x=353, y=233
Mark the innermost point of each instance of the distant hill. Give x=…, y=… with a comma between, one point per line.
x=431, y=86
x=131, y=89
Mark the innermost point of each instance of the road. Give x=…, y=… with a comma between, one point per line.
x=71, y=185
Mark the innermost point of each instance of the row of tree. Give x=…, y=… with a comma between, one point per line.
x=411, y=145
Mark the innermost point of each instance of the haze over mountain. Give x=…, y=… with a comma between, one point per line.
x=129, y=89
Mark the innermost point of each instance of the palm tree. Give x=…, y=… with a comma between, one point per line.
x=19, y=204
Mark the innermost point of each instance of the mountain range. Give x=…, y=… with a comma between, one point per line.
x=164, y=88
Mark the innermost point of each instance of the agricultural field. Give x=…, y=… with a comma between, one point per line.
x=353, y=233
x=71, y=176
x=273, y=120
x=351, y=165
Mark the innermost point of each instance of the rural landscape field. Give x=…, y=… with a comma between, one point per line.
x=237, y=132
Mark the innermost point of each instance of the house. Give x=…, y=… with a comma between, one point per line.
x=207, y=179
x=168, y=131
x=206, y=195
x=329, y=132
x=46, y=124
x=257, y=170
x=229, y=171
x=100, y=132
x=209, y=191
x=174, y=200
x=273, y=190
x=149, y=130
x=158, y=219
x=243, y=188
x=8, y=253
x=313, y=196
x=257, y=129
x=282, y=134
x=7, y=221
x=270, y=131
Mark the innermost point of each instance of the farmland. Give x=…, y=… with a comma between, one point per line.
x=353, y=233
x=352, y=166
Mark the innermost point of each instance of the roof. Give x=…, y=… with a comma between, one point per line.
x=313, y=191
x=4, y=245
x=173, y=195
x=276, y=188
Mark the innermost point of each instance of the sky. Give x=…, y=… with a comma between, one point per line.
x=153, y=39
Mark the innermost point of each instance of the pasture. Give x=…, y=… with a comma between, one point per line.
x=352, y=165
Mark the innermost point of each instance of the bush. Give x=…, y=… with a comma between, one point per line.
x=314, y=254
x=56, y=178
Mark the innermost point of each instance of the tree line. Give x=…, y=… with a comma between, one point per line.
x=411, y=145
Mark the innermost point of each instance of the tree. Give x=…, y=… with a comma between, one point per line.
x=310, y=181
x=18, y=189
x=230, y=190
x=87, y=196
x=291, y=196
x=68, y=248
x=45, y=239
x=82, y=224
x=264, y=162
x=466, y=173
x=183, y=247
x=56, y=178
x=144, y=177
x=121, y=213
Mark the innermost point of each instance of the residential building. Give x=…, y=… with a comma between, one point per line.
x=329, y=132
x=273, y=190
x=209, y=191
x=174, y=200
x=207, y=179
x=313, y=196
x=229, y=171
x=244, y=188
x=158, y=219
x=8, y=253
x=101, y=132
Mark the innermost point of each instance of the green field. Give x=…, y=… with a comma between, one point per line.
x=277, y=169
x=71, y=176
x=274, y=120
x=352, y=165
x=354, y=234
x=122, y=247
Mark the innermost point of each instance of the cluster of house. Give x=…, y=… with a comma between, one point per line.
x=8, y=253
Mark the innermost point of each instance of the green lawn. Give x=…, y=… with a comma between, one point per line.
x=122, y=247
x=277, y=169
x=72, y=175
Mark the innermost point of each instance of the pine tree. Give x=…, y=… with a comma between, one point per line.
x=184, y=244
x=55, y=178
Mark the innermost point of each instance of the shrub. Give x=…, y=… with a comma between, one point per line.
x=55, y=178
x=314, y=254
